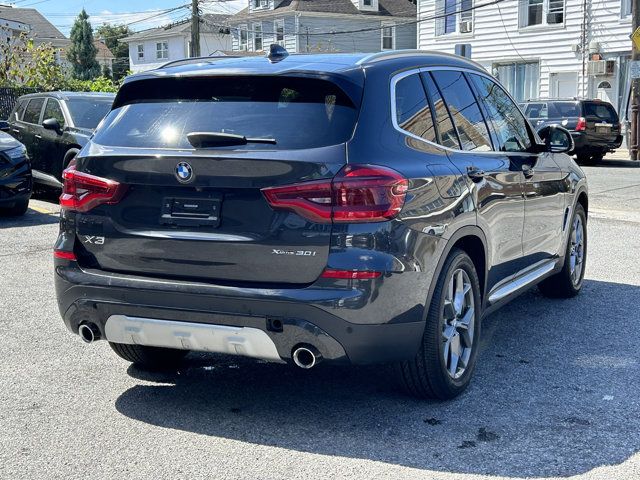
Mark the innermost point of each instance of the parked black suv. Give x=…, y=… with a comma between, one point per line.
x=15, y=176
x=594, y=124
x=286, y=209
x=54, y=127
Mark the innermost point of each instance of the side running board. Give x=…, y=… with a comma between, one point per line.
x=522, y=280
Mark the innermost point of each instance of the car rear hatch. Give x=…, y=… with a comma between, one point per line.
x=187, y=159
x=602, y=123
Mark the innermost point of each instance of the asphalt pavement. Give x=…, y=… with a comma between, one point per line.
x=556, y=392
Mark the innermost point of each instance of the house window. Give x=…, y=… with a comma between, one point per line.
x=625, y=8
x=257, y=37
x=388, y=37
x=162, y=50
x=244, y=37
x=521, y=79
x=278, y=27
x=140, y=52
x=260, y=3
x=541, y=12
x=367, y=3
x=458, y=16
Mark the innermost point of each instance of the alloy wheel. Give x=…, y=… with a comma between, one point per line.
x=576, y=253
x=458, y=325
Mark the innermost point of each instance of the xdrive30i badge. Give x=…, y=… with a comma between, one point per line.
x=184, y=172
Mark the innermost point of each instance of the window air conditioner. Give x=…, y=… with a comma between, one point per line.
x=466, y=26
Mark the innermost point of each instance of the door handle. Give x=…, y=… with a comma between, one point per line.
x=475, y=174
x=15, y=130
x=528, y=171
x=38, y=136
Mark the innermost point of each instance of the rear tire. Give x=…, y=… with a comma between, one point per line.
x=19, y=209
x=434, y=373
x=586, y=159
x=150, y=358
x=568, y=282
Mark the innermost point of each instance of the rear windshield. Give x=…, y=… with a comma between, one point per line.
x=87, y=112
x=296, y=112
x=602, y=111
x=566, y=109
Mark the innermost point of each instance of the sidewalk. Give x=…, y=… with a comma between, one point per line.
x=620, y=154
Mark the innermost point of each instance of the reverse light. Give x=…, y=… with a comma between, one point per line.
x=64, y=255
x=82, y=192
x=581, y=126
x=350, y=274
x=358, y=193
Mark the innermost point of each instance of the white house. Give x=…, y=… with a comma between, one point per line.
x=325, y=26
x=10, y=29
x=153, y=48
x=537, y=48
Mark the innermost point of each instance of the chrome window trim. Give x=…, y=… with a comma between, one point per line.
x=394, y=120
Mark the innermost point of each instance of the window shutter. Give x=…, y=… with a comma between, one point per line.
x=522, y=13
x=439, y=10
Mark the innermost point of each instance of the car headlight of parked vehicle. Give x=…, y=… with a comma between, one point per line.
x=16, y=153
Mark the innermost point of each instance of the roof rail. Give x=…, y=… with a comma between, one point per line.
x=189, y=61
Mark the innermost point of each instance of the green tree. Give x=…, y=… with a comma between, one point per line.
x=25, y=64
x=82, y=52
x=112, y=34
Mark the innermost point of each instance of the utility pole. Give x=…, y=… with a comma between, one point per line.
x=635, y=86
x=195, y=28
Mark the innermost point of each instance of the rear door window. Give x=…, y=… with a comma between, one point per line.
x=32, y=113
x=464, y=110
x=446, y=130
x=297, y=112
x=602, y=111
x=508, y=123
x=413, y=113
x=537, y=111
x=566, y=109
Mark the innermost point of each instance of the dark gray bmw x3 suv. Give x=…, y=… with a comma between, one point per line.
x=306, y=208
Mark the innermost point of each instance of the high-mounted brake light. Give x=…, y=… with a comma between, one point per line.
x=82, y=191
x=358, y=193
x=581, y=126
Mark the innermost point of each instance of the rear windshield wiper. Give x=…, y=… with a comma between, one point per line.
x=221, y=139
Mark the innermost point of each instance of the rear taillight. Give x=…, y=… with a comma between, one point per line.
x=82, y=192
x=581, y=126
x=358, y=193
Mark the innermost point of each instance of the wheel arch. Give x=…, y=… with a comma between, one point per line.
x=472, y=240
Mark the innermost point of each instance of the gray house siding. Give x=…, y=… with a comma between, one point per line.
x=302, y=33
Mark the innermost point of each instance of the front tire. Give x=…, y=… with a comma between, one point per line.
x=150, y=358
x=444, y=365
x=568, y=282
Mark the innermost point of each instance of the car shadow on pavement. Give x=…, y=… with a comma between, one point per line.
x=555, y=394
x=617, y=163
x=31, y=218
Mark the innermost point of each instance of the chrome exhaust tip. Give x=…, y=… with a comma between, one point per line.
x=306, y=356
x=89, y=332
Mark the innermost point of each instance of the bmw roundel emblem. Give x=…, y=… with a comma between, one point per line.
x=184, y=172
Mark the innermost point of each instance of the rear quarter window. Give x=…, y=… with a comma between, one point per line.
x=298, y=112
x=602, y=111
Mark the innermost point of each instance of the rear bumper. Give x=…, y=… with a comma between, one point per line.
x=586, y=144
x=289, y=317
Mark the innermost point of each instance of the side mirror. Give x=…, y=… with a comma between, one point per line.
x=557, y=139
x=4, y=126
x=52, y=124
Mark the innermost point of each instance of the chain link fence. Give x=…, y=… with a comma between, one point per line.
x=8, y=98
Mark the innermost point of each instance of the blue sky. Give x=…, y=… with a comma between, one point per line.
x=62, y=12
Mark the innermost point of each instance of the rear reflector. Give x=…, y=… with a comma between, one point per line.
x=64, y=255
x=581, y=126
x=358, y=193
x=350, y=274
x=82, y=192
